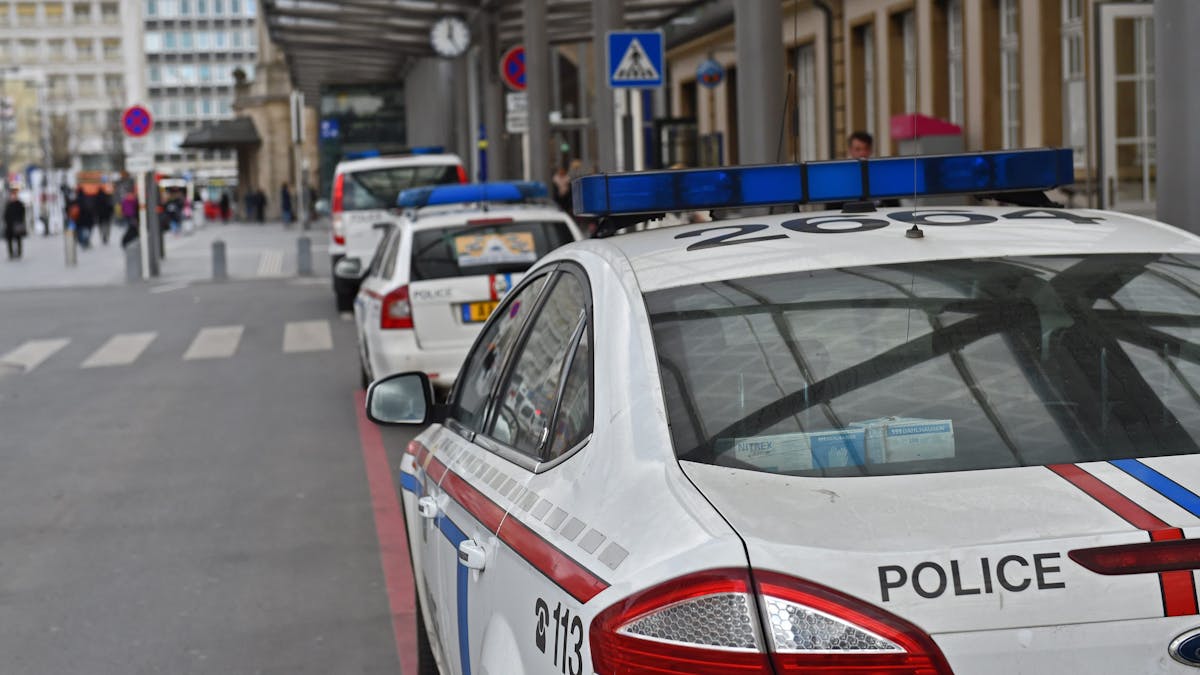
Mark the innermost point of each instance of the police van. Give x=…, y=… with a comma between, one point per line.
x=944, y=439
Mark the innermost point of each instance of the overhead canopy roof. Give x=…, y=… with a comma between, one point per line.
x=368, y=41
x=237, y=132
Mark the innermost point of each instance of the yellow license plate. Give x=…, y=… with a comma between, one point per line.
x=477, y=312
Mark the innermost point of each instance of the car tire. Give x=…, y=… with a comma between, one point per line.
x=426, y=664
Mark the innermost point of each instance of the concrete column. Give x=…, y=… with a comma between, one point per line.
x=606, y=15
x=1177, y=60
x=760, y=82
x=537, y=89
x=493, y=97
x=462, y=116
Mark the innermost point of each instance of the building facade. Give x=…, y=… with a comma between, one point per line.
x=76, y=54
x=192, y=49
x=1010, y=73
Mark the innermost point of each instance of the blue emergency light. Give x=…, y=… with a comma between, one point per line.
x=426, y=150
x=499, y=191
x=832, y=181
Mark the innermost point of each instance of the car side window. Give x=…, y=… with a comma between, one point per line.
x=381, y=252
x=388, y=268
x=573, y=421
x=525, y=409
x=483, y=365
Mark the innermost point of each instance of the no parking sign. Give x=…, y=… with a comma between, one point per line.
x=512, y=68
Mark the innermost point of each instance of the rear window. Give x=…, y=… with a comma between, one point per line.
x=935, y=366
x=484, y=249
x=379, y=188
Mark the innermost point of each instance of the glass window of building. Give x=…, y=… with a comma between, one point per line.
x=218, y=7
x=83, y=49
x=203, y=39
x=187, y=74
x=114, y=85
x=169, y=40
x=154, y=73
x=81, y=12
x=806, y=100
x=1010, y=74
x=168, y=8
x=88, y=121
x=27, y=51
x=152, y=41
x=112, y=49
x=206, y=106
x=185, y=7
x=205, y=72
x=58, y=85
x=252, y=38
x=1074, y=85
x=85, y=86
x=189, y=107
x=251, y=9
x=202, y=7
x=249, y=70
x=56, y=50
x=26, y=14
x=235, y=6
x=185, y=40
x=235, y=39
x=226, y=106
x=151, y=7
x=53, y=12
x=219, y=39
x=110, y=12
x=954, y=54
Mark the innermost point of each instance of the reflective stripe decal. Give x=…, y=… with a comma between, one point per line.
x=409, y=482
x=1183, y=497
x=1178, y=587
x=544, y=556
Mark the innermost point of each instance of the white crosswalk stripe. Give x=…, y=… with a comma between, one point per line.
x=270, y=264
x=33, y=352
x=120, y=350
x=214, y=342
x=307, y=336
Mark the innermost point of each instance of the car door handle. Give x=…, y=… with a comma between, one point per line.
x=471, y=555
x=427, y=507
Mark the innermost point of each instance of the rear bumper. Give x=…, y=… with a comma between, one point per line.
x=396, y=351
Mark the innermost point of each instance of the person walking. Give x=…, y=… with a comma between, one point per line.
x=224, y=206
x=104, y=214
x=285, y=204
x=14, y=224
x=562, y=188
x=86, y=218
x=129, y=214
x=260, y=206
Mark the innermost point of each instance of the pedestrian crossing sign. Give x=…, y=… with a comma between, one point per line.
x=635, y=59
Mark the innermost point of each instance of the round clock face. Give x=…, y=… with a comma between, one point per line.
x=450, y=36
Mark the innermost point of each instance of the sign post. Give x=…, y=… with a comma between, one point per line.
x=636, y=60
x=139, y=160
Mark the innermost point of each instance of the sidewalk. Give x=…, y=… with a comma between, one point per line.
x=251, y=251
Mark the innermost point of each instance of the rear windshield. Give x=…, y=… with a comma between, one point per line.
x=378, y=189
x=484, y=249
x=935, y=366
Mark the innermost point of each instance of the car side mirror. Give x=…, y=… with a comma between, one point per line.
x=349, y=268
x=401, y=399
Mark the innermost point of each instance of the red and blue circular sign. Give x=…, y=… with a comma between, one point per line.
x=136, y=121
x=710, y=73
x=512, y=68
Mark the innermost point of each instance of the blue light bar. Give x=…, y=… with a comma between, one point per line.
x=427, y=150
x=434, y=195
x=835, y=181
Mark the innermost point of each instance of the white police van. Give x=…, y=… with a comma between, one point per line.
x=442, y=266
x=875, y=440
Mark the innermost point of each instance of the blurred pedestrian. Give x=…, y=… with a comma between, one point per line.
x=562, y=188
x=224, y=205
x=129, y=213
x=85, y=218
x=285, y=204
x=14, y=224
x=104, y=213
x=860, y=145
x=260, y=206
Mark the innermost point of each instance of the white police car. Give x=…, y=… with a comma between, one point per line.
x=364, y=191
x=441, y=269
x=892, y=441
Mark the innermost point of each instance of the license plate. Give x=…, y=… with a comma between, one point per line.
x=478, y=312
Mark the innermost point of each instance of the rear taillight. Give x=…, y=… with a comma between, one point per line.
x=397, y=310
x=462, y=174
x=335, y=209
x=1156, y=556
x=701, y=624
x=710, y=623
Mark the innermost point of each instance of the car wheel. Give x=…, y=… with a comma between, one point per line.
x=426, y=665
x=345, y=302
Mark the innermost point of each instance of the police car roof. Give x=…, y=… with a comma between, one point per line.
x=391, y=161
x=455, y=215
x=688, y=254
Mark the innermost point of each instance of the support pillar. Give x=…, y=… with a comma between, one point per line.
x=760, y=84
x=493, y=97
x=537, y=89
x=606, y=15
x=1177, y=59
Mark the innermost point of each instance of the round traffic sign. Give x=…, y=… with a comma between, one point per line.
x=136, y=121
x=512, y=68
x=710, y=73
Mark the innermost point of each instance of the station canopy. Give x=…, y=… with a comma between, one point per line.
x=370, y=41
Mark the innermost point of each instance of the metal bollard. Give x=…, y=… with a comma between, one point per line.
x=133, y=262
x=304, y=257
x=219, y=270
x=71, y=247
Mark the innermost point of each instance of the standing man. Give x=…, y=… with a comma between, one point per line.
x=104, y=213
x=260, y=206
x=285, y=204
x=14, y=224
x=860, y=145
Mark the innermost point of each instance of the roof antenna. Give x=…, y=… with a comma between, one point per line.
x=914, y=232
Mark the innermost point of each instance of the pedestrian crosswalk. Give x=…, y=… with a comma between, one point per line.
x=208, y=343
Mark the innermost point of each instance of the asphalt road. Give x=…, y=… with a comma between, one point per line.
x=207, y=514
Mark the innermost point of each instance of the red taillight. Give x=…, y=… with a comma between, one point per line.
x=462, y=174
x=814, y=629
x=396, y=311
x=335, y=209
x=489, y=221
x=701, y=624
x=711, y=623
x=1155, y=556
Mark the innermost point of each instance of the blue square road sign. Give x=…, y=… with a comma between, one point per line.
x=635, y=59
